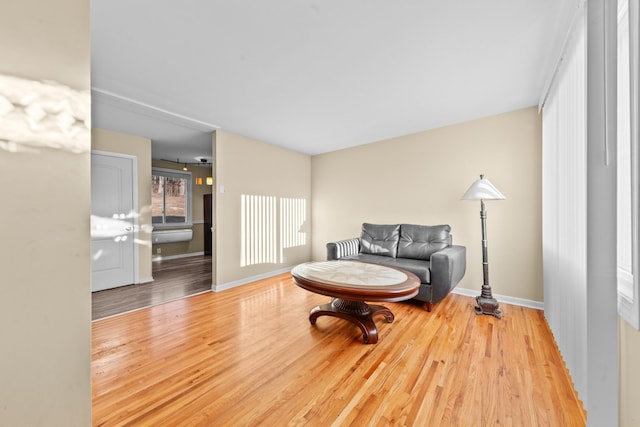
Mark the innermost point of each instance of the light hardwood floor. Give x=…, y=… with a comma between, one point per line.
x=248, y=356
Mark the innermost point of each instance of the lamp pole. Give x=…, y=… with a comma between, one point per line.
x=487, y=304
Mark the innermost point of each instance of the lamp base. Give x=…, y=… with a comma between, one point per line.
x=488, y=306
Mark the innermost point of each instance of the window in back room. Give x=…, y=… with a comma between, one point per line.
x=170, y=197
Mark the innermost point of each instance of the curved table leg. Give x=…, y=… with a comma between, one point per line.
x=357, y=312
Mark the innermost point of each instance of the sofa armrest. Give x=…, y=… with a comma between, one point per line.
x=342, y=248
x=447, y=269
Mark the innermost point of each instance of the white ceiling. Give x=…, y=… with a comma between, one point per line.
x=314, y=76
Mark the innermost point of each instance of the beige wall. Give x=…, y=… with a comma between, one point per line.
x=49, y=40
x=115, y=142
x=45, y=313
x=629, y=349
x=249, y=167
x=196, y=245
x=420, y=178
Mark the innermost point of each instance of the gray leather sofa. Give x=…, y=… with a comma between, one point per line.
x=426, y=251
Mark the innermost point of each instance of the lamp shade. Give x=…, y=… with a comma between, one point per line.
x=483, y=189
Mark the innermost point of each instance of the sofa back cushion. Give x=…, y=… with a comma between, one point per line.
x=420, y=241
x=379, y=239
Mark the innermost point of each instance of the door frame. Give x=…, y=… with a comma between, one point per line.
x=136, y=211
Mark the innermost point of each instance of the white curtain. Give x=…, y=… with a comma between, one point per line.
x=564, y=201
x=579, y=209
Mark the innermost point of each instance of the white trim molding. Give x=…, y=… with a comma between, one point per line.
x=128, y=104
x=502, y=298
x=236, y=283
x=577, y=14
x=167, y=258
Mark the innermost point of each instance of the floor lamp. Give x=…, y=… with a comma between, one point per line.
x=483, y=190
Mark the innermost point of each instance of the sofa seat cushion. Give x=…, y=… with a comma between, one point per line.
x=378, y=239
x=420, y=268
x=420, y=241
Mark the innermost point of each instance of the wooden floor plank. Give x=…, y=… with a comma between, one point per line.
x=172, y=279
x=249, y=356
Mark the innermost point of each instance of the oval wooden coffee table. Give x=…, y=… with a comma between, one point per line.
x=351, y=283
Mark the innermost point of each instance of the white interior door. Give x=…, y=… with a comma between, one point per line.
x=112, y=221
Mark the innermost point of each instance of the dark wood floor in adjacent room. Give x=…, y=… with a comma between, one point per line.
x=172, y=279
x=248, y=356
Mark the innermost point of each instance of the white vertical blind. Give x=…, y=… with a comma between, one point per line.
x=579, y=210
x=564, y=208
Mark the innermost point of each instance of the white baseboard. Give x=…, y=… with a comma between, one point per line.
x=502, y=298
x=236, y=283
x=460, y=291
x=145, y=280
x=166, y=258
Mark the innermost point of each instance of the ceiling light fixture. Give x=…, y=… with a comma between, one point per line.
x=202, y=163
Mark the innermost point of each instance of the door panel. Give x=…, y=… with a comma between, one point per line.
x=112, y=222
